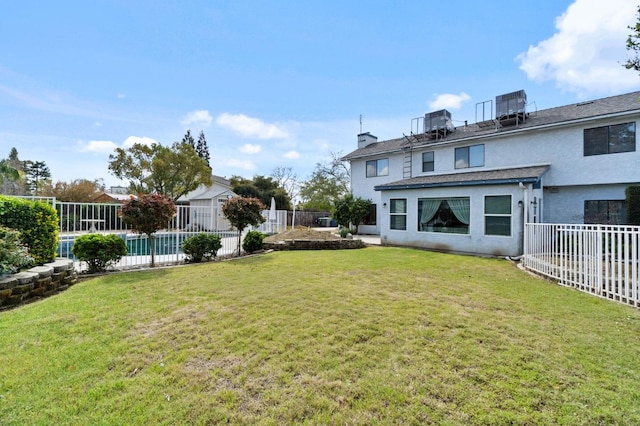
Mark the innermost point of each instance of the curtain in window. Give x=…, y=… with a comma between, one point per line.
x=429, y=209
x=460, y=208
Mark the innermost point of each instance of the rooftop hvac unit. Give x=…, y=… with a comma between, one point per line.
x=438, y=123
x=511, y=107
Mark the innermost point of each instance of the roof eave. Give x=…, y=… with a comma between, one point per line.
x=458, y=184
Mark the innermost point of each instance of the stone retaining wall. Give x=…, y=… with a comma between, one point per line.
x=38, y=282
x=314, y=244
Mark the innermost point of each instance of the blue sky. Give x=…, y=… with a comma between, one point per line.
x=284, y=83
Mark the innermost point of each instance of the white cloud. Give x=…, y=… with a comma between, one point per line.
x=250, y=148
x=250, y=127
x=241, y=164
x=128, y=143
x=121, y=96
x=97, y=146
x=200, y=118
x=449, y=101
x=291, y=155
x=585, y=54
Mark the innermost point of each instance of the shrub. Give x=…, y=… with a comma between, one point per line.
x=37, y=223
x=253, y=241
x=99, y=251
x=13, y=255
x=201, y=246
x=344, y=232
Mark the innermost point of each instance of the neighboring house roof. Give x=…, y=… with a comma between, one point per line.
x=589, y=110
x=530, y=174
x=108, y=196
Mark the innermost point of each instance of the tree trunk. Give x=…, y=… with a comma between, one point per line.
x=152, y=249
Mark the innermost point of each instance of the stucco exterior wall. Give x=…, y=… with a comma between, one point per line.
x=566, y=204
x=474, y=242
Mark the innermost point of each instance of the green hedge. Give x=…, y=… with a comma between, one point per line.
x=37, y=222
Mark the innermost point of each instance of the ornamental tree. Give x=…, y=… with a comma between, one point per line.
x=148, y=214
x=242, y=212
x=350, y=211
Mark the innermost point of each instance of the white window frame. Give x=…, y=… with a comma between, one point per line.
x=487, y=215
x=393, y=213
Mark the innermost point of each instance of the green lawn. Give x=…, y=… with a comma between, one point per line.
x=371, y=336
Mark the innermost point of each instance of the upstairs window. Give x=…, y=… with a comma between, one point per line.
x=470, y=156
x=378, y=167
x=610, y=139
x=428, y=165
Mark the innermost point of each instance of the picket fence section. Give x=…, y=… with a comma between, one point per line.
x=81, y=218
x=598, y=259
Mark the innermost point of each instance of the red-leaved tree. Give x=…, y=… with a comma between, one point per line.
x=242, y=212
x=147, y=214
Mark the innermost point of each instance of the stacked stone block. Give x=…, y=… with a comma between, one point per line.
x=37, y=282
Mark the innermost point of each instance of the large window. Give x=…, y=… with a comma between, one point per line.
x=497, y=215
x=470, y=156
x=428, y=165
x=450, y=215
x=378, y=167
x=605, y=212
x=610, y=139
x=398, y=214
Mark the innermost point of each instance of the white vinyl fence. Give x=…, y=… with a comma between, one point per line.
x=81, y=218
x=597, y=259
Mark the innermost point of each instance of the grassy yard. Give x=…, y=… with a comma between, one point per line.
x=372, y=336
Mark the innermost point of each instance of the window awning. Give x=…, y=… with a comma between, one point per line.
x=516, y=175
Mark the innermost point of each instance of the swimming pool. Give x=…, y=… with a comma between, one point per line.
x=166, y=243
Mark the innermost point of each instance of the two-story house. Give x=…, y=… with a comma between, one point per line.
x=471, y=188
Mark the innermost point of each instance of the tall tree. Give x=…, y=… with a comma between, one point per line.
x=173, y=171
x=287, y=179
x=328, y=182
x=14, y=161
x=262, y=188
x=187, y=138
x=203, y=149
x=12, y=178
x=7, y=172
x=37, y=174
x=78, y=190
x=633, y=45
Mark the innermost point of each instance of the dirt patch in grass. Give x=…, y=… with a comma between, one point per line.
x=302, y=233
